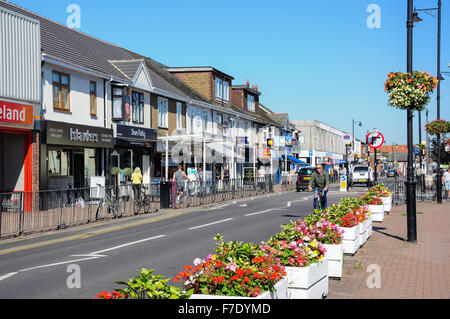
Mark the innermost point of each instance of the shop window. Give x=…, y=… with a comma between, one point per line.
x=138, y=107
x=93, y=98
x=61, y=90
x=117, y=106
x=59, y=162
x=89, y=164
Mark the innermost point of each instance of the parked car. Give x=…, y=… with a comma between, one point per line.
x=392, y=173
x=361, y=174
x=303, y=177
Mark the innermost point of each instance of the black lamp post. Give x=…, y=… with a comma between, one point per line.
x=438, y=96
x=410, y=183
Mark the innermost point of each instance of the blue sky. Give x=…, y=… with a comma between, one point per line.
x=311, y=59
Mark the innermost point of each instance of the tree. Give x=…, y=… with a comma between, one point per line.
x=445, y=156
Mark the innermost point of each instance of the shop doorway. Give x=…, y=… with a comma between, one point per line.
x=78, y=170
x=12, y=157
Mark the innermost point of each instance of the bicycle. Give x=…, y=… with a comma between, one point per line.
x=116, y=206
x=319, y=197
x=142, y=201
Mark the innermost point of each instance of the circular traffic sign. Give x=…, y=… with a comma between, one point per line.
x=375, y=139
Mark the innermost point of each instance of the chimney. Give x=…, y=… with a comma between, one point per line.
x=247, y=84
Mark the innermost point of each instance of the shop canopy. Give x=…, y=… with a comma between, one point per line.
x=295, y=159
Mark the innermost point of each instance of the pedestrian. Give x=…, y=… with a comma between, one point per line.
x=319, y=182
x=446, y=181
x=178, y=177
x=261, y=177
x=136, y=179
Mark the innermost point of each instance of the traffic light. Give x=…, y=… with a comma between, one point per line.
x=269, y=142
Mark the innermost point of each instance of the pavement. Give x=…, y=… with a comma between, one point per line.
x=390, y=267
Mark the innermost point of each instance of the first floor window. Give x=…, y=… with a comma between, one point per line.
x=117, y=108
x=163, y=112
x=179, y=113
x=138, y=107
x=61, y=90
x=93, y=98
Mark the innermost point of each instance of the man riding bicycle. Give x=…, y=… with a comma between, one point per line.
x=319, y=183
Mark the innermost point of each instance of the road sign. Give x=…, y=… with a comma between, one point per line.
x=310, y=153
x=375, y=139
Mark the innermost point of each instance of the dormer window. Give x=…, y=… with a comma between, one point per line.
x=251, y=103
x=222, y=90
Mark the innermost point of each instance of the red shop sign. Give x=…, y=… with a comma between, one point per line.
x=16, y=113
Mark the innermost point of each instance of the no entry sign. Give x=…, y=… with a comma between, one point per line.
x=375, y=139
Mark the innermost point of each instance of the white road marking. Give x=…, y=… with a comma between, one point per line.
x=243, y=205
x=127, y=244
x=8, y=275
x=264, y=211
x=60, y=263
x=217, y=222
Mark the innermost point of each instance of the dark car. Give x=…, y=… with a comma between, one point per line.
x=392, y=173
x=303, y=177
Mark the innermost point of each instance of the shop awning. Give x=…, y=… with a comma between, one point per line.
x=295, y=159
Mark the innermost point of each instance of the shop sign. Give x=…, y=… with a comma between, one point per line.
x=136, y=133
x=14, y=113
x=59, y=133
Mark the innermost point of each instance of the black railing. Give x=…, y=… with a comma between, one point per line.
x=425, y=189
x=29, y=212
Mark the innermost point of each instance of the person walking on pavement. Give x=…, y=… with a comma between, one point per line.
x=136, y=179
x=319, y=182
x=178, y=177
x=446, y=181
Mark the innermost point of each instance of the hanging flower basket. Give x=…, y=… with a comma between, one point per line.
x=438, y=127
x=410, y=91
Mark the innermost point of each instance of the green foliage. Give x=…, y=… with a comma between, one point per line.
x=115, y=171
x=127, y=171
x=151, y=286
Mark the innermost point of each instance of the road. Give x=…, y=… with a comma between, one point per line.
x=103, y=256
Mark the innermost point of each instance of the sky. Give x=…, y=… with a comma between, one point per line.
x=322, y=60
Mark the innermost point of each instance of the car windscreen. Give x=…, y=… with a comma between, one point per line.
x=306, y=171
x=361, y=169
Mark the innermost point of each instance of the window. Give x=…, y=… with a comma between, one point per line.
x=138, y=107
x=251, y=103
x=179, y=110
x=93, y=98
x=59, y=162
x=219, y=123
x=163, y=112
x=117, y=108
x=222, y=90
x=205, y=120
x=218, y=89
x=61, y=89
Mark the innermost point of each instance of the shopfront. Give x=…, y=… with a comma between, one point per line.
x=71, y=154
x=133, y=148
x=16, y=134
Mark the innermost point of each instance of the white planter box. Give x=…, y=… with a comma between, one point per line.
x=377, y=212
x=387, y=203
x=350, y=243
x=334, y=254
x=369, y=226
x=309, y=282
x=281, y=292
x=362, y=233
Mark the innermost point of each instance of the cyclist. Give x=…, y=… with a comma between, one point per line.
x=319, y=182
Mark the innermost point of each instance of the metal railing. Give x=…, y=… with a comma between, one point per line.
x=23, y=213
x=38, y=211
x=196, y=193
x=425, y=189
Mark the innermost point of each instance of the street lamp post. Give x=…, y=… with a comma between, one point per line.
x=410, y=183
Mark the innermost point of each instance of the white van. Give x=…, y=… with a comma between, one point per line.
x=361, y=174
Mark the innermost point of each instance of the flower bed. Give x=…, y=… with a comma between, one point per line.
x=294, y=263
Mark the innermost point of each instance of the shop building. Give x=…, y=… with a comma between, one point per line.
x=20, y=67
